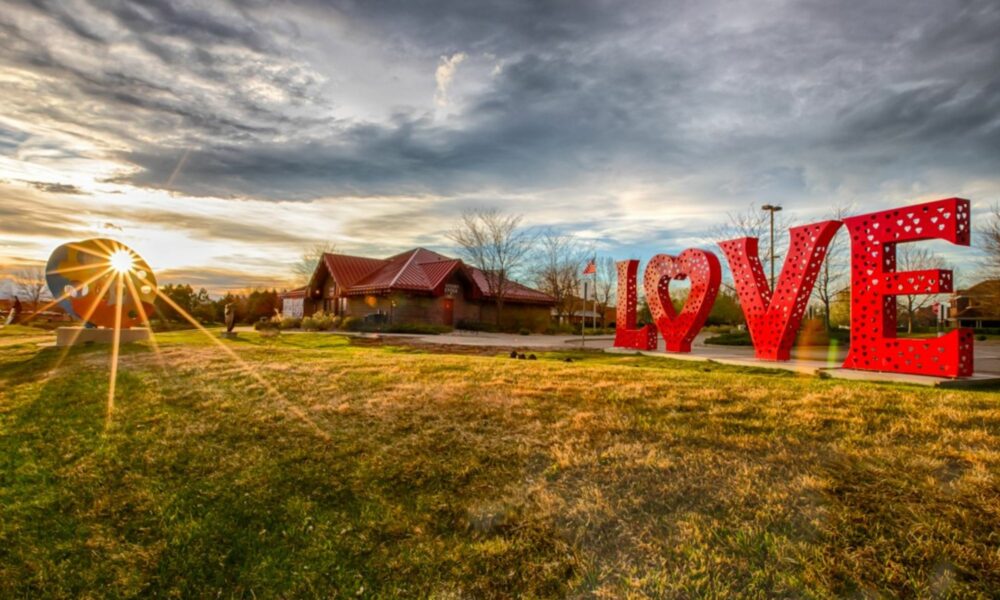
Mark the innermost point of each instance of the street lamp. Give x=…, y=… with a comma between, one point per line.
x=771, y=208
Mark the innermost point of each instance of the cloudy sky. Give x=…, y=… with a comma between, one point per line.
x=219, y=139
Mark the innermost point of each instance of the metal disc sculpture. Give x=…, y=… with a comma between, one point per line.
x=102, y=283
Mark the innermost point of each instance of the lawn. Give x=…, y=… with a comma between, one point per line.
x=314, y=466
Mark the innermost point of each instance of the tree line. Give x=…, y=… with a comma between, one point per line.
x=553, y=261
x=250, y=307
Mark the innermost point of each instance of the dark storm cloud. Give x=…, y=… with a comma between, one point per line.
x=22, y=214
x=735, y=99
x=204, y=227
x=220, y=58
x=546, y=119
x=495, y=26
x=56, y=188
x=25, y=213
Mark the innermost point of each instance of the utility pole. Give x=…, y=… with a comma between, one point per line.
x=772, y=208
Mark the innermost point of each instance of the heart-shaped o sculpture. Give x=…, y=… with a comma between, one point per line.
x=702, y=268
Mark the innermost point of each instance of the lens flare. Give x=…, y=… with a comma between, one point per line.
x=103, y=283
x=121, y=261
x=77, y=270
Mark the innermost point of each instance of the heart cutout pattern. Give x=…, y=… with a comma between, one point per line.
x=702, y=268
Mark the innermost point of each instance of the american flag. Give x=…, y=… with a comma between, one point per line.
x=591, y=268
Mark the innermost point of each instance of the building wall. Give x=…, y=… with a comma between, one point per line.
x=430, y=310
x=292, y=307
x=518, y=316
x=402, y=308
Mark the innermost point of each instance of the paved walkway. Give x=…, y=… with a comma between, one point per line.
x=804, y=359
x=475, y=338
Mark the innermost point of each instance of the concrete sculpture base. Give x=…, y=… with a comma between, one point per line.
x=73, y=336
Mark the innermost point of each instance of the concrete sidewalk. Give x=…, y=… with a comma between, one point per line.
x=510, y=340
x=476, y=338
x=808, y=360
x=824, y=361
x=827, y=361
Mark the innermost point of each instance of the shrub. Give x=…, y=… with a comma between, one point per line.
x=320, y=321
x=421, y=328
x=598, y=331
x=981, y=337
x=291, y=323
x=267, y=326
x=475, y=326
x=352, y=324
x=564, y=329
x=736, y=338
x=524, y=331
x=719, y=328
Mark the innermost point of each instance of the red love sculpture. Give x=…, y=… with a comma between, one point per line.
x=626, y=335
x=703, y=269
x=774, y=319
x=875, y=283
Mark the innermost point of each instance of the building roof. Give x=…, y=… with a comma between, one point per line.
x=989, y=288
x=403, y=272
x=296, y=293
x=514, y=290
x=983, y=301
x=975, y=312
x=418, y=270
x=347, y=270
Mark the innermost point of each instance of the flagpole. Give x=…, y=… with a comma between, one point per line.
x=590, y=269
x=594, y=261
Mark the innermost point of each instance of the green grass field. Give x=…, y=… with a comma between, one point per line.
x=372, y=470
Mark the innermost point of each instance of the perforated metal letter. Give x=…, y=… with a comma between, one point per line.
x=626, y=335
x=875, y=283
x=774, y=319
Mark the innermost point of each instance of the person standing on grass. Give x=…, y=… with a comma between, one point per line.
x=15, y=312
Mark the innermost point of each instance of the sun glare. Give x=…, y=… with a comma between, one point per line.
x=121, y=261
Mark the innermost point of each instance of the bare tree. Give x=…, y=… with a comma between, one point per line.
x=989, y=240
x=606, y=283
x=834, y=277
x=306, y=266
x=756, y=223
x=910, y=257
x=496, y=244
x=557, y=268
x=31, y=285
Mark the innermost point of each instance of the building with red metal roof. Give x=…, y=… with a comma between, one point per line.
x=977, y=306
x=416, y=286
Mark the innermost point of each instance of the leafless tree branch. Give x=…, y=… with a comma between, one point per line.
x=496, y=244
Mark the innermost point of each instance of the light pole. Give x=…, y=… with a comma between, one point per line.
x=772, y=208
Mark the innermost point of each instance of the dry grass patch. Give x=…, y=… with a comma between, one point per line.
x=385, y=471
